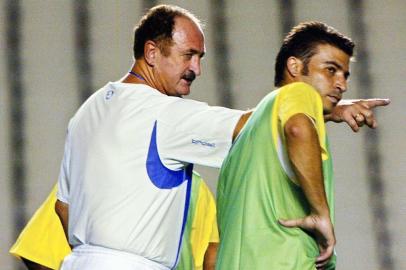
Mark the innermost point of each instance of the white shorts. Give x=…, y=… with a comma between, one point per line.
x=87, y=257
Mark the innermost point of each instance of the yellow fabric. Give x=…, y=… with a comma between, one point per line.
x=43, y=240
x=204, y=227
x=214, y=237
x=299, y=98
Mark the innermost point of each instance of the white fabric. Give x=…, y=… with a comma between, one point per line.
x=103, y=178
x=86, y=257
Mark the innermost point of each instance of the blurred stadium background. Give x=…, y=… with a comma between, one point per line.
x=54, y=53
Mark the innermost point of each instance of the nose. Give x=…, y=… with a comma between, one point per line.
x=195, y=65
x=341, y=83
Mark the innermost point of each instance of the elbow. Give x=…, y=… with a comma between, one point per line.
x=62, y=210
x=58, y=208
x=294, y=131
x=297, y=132
x=299, y=127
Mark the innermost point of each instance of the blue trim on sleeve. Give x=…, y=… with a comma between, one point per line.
x=161, y=176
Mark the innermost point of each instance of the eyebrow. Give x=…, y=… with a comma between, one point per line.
x=337, y=65
x=193, y=51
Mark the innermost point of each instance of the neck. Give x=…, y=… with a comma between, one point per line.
x=137, y=75
x=140, y=73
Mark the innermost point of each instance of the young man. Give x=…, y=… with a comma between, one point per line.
x=280, y=166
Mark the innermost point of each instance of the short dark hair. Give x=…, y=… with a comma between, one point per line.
x=302, y=42
x=157, y=25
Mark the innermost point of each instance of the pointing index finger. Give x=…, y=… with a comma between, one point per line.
x=374, y=102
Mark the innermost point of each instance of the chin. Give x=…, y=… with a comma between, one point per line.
x=183, y=92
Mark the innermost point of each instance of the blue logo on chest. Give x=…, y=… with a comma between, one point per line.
x=161, y=176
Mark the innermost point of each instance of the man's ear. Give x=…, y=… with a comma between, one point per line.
x=294, y=66
x=150, y=52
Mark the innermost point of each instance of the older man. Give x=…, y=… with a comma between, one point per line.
x=124, y=186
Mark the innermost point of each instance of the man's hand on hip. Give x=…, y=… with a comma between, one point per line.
x=322, y=228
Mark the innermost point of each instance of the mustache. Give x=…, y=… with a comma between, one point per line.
x=189, y=76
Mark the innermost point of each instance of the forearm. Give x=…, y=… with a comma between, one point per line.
x=305, y=155
x=62, y=210
x=209, y=262
x=241, y=123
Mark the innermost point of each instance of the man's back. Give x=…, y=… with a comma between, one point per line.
x=127, y=163
x=257, y=188
x=108, y=141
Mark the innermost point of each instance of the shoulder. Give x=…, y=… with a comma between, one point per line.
x=299, y=92
x=298, y=88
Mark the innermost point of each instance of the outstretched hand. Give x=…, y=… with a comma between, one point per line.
x=322, y=228
x=356, y=113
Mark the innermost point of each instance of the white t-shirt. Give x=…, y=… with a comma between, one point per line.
x=126, y=166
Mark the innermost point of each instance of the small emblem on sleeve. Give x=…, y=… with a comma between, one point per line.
x=109, y=94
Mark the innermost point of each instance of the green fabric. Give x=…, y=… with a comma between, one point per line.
x=253, y=193
x=186, y=256
x=329, y=188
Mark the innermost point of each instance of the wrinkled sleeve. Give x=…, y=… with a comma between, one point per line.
x=193, y=132
x=63, y=179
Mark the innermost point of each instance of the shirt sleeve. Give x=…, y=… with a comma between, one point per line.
x=193, y=132
x=303, y=98
x=63, y=180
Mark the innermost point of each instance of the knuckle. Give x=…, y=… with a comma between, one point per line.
x=368, y=114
